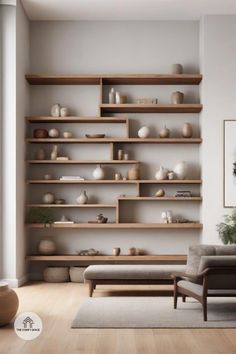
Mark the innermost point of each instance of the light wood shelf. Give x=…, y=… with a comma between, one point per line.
x=148, y=79
x=178, y=226
x=83, y=162
x=162, y=199
x=115, y=140
x=150, y=108
x=111, y=181
x=71, y=206
x=70, y=119
x=117, y=259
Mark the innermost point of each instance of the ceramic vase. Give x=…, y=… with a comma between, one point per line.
x=40, y=133
x=133, y=173
x=176, y=69
x=112, y=96
x=164, y=133
x=67, y=135
x=40, y=154
x=47, y=247
x=187, y=130
x=143, y=132
x=55, y=110
x=48, y=198
x=53, y=133
x=177, y=97
x=64, y=112
x=161, y=174
x=116, y=251
x=98, y=173
x=118, y=98
x=180, y=170
x=82, y=198
x=8, y=304
x=54, y=152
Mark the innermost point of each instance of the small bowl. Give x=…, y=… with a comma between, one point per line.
x=67, y=135
x=48, y=176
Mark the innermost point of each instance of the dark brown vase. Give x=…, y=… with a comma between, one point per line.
x=40, y=133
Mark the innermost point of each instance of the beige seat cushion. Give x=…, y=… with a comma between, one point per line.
x=132, y=272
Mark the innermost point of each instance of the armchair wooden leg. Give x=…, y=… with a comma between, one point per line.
x=175, y=295
x=204, y=306
x=184, y=298
x=91, y=288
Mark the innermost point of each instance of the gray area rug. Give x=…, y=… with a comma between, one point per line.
x=154, y=312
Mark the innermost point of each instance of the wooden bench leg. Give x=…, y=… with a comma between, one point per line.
x=204, y=307
x=175, y=294
x=92, y=286
x=184, y=298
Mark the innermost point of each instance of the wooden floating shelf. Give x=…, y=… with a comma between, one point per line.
x=71, y=206
x=116, y=140
x=178, y=226
x=84, y=162
x=162, y=199
x=151, y=258
x=111, y=181
x=49, y=119
x=149, y=79
x=150, y=108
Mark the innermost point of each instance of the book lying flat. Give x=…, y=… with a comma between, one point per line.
x=63, y=222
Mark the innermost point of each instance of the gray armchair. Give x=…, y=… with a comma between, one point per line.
x=210, y=271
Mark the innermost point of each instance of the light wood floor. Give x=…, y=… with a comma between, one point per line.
x=57, y=304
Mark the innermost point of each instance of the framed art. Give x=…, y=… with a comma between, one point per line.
x=229, y=163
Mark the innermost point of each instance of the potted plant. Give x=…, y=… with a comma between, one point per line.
x=41, y=215
x=227, y=229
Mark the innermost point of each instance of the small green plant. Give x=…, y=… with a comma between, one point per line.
x=227, y=229
x=41, y=215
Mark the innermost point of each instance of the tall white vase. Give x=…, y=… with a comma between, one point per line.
x=98, y=173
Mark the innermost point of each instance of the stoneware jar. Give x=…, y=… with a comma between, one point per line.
x=177, y=97
x=181, y=170
x=54, y=133
x=176, y=69
x=67, y=135
x=98, y=173
x=56, y=274
x=133, y=173
x=55, y=110
x=8, y=304
x=187, y=130
x=64, y=112
x=40, y=133
x=164, y=132
x=82, y=198
x=48, y=198
x=40, y=154
x=161, y=174
x=47, y=247
x=143, y=132
x=116, y=251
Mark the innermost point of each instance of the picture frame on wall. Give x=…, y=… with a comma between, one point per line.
x=229, y=163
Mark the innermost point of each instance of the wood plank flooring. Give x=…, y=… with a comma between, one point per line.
x=57, y=305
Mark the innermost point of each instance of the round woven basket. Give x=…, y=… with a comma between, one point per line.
x=56, y=274
x=77, y=274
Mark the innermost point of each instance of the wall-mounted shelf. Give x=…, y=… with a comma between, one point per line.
x=178, y=226
x=183, y=79
x=116, y=259
x=115, y=140
x=70, y=119
x=150, y=108
x=184, y=181
x=71, y=206
x=84, y=162
x=162, y=199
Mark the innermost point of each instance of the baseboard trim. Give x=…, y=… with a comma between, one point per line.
x=16, y=282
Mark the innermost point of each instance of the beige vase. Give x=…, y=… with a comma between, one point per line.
x=177, y=97
x=187, y=130
x=47, y=247
x=133, y=173
x=8, y=304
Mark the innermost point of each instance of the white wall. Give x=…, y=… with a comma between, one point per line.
x=218, y=51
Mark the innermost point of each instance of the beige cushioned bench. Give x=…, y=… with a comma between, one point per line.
x=130, y=274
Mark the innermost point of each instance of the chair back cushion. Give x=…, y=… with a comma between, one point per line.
x=225, y=250
x=194, y=257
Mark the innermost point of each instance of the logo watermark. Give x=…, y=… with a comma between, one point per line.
x=28, y=325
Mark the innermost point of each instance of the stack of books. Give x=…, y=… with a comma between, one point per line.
x=73, y=178
x=184, y=194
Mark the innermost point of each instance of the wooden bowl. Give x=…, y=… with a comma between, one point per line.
x=95, y=136
x=40, y=133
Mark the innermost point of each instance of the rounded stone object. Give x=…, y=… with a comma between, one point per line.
x=47, y=247
x=8, y=304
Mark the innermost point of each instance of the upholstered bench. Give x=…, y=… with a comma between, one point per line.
x=130, y=274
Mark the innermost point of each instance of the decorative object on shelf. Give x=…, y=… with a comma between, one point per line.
x=169, y=216
x=147, y=101
x=64, y=220
x=132, y=251
x=77, y=274
x=160, y=193
x=134, y=172
x=62, y=158
x=118, y=98
x=82, y=198
x=71, y=178
x=183, y=194
x=120, y=154
x=67, y=135
x=181, y=170
x=89, y=252
x=98, y=173
x=112, y=96
x=164, y=217
x=177, y=97
x=95, y=136
x=48, y=176
x=118, y=176
x=48, y=198
x=187, y=130
x=8, y=304
x=176, y=69
x=161, y=174
x=64, y=112
x=116, y=251
x=40, y=133
x=171, y=175
x=229, y=164
x=55, y=110
x=56, y=274
x=54, y=152
x=143, y=132
x=126, y=156
x=227, y=229
x=41, y=215
x=123, y=99
x=47, y=247
x=101, y=219
x=40, y=154
x=60, y=201
x=139, y=252
x=53, y=133
x=124, y=178
x=164, y=132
